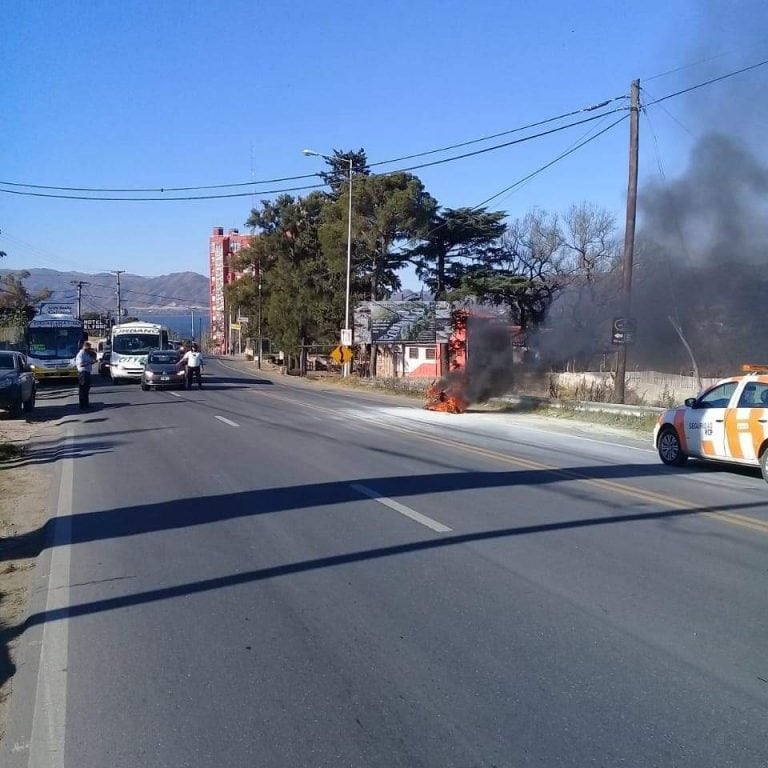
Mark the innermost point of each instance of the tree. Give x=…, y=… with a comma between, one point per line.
x=302, y=295
x=387, y=211
x=523, y=272
x=338, y=175
x=455, y=238
x=13, y=293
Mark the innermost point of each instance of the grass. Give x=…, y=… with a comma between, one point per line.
x=643, y=423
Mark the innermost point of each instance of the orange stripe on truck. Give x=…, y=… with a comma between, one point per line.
x=679, y=424
x=732, y=441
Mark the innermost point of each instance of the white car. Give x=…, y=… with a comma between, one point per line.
x=726, y=422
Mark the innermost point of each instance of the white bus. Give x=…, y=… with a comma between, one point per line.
x=52, y=343
x=131, y=343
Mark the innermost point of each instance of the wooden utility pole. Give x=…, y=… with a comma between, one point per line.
x=629, y=231
x=118, y=272
x=79, y=284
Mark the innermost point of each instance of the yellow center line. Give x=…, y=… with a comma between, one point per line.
x=731, y=518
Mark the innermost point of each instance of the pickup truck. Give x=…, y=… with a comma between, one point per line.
x=18, y=389
x=727, y=422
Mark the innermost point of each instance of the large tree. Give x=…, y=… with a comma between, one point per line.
x=337, y=175
x=455, y=239
x=302, y=296
x=524, y=272
x=387, y=211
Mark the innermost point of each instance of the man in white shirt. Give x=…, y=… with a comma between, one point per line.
x=193, y=359
x=84, y=361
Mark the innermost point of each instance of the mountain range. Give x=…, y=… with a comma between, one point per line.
x=179, y=290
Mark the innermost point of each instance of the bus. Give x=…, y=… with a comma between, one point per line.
x=131, y=343
x=52, y=342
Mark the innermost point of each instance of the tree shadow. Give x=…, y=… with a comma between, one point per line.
x=189, y=512
x=60, y=449
x=334, y=561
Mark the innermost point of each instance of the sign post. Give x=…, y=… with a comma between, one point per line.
x=623, y=331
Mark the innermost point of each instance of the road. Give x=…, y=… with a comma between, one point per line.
x=273, y=573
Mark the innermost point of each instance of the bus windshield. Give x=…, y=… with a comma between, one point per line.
x=54, y=343
x=135, y=343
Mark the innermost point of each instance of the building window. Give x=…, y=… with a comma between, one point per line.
x=413, y=353
x=431, y=354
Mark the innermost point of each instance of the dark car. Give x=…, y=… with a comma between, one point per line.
x=104, y=364
x=17, y=383
x=161, y=370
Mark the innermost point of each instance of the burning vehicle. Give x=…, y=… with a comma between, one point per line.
x=447, y=396
x=487, y=372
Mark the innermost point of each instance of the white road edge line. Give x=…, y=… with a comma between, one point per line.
x=401, y=508
x=227, y=421
x=50, y=709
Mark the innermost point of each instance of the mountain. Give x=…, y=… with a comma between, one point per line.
x=179, y=290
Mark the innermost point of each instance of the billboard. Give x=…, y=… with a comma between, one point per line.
x=57, y=308
x=402, y=322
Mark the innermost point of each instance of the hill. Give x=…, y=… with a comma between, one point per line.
x=179, y=290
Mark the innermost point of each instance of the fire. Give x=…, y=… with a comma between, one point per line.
x=446, y=396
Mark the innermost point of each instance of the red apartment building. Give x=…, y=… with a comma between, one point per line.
x=222, y=251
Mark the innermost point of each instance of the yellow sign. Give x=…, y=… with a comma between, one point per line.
x=342, y=355
x=235, y=326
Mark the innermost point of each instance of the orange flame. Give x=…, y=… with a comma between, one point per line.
x=446, y=397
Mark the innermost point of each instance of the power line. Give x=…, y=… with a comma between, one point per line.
x=698, y=62
x=497, y=135
x=560, y=157
x=252, y=183
x=319, y=186
x=708, y=82
x=669, y=114
x=146, y=199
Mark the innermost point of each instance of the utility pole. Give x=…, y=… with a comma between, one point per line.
x=258, y=322
x=193, y=322
x=118, y=272
x=79, y=284
x=629, y=232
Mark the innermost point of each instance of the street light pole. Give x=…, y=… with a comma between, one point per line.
x=345, y=369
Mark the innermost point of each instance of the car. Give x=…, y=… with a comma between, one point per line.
x=161, y=370
x=104, y=364
x=727, y=422
x=18, y=389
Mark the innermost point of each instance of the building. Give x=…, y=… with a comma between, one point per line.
x=222, y=251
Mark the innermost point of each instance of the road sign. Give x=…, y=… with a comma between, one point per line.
x=235, y=326
x=342, y=355
x=242, y=319
x=346, y=337
x=624, y=330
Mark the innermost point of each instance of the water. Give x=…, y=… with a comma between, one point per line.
x=179, y=323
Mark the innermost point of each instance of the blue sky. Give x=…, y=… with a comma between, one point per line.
x=181, y=93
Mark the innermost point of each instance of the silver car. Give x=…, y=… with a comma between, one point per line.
x=162, y=370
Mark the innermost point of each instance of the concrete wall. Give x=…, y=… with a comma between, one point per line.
x=651, y=387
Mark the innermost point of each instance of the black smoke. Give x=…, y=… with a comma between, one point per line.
x=489, y=368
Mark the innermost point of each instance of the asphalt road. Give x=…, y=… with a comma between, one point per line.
x=270, y=573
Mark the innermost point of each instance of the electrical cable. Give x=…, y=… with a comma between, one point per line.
x=497, y=135
x=708, y=82
x=560, y=157
x=317, y=174
x=698, y=62
x=318, y=186
x=669, y=114
x=146, y=199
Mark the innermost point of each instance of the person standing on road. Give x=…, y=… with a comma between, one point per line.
x=194, y=362
x=84, y=361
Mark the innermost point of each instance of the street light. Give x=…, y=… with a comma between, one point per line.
x=346, y=332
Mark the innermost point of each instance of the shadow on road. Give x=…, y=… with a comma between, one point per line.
x=146, y=517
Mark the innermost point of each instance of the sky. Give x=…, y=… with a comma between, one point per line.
x=178, y=93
